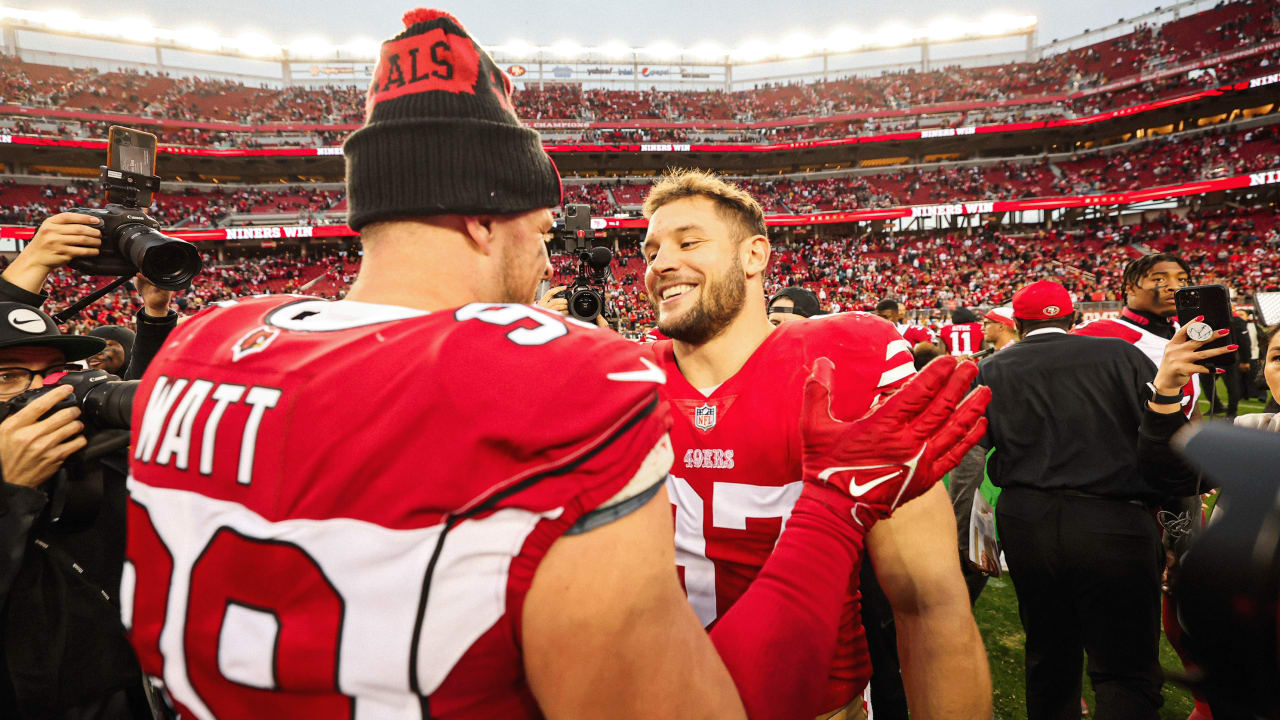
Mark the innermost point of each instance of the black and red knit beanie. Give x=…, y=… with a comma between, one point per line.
x=441, y=136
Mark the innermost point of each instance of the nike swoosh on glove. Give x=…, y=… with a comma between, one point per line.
x=865, y=468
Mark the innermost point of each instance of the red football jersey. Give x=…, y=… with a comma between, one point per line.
x=916, y=334
x=338, y=507
x=962, y=339
x=737, y=469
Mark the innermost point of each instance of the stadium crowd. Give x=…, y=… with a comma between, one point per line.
x=1165, y=160
x=1229, y=26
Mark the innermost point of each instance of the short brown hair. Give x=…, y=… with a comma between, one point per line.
x=733, y=202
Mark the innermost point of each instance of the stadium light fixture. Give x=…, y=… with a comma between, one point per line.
x=893, y=35
x=662, y=51
x=136, y=29
x=946, y=28
x=1002, y=23
x=798, y=44
x=566, y=49
x=67, y=20
x=752, y=50
x=362, y=47
x=708, y=50
x=198, y=38
x=843, y=39
x=519, y=48
x=311, y=47
x=614, y=49
x=255, y=44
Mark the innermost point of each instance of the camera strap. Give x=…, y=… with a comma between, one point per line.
x=74, y=504
x=84, y=302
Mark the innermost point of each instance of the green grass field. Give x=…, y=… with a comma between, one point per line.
x=997, y=617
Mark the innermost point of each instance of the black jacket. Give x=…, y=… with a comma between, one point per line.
x=1064, y=416
x=63, y=650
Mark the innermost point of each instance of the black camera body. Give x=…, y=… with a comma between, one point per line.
x=131, y=239
x=586, y=294
x=106, y=405
x=105, y=401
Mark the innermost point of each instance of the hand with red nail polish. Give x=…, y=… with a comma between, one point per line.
x=1183, y=357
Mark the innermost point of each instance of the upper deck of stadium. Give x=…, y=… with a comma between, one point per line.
x=1212, y=47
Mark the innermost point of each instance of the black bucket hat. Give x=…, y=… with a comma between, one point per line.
x=25, y=326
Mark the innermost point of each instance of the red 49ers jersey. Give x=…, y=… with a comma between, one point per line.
x=962, y=339
x=737, y=469
x=337, y=507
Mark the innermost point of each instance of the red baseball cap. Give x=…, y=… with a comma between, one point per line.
x=1043, y=300
x=1002, y=315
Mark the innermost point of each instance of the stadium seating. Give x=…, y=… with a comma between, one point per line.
x=1228, y=26
x=1162, y=161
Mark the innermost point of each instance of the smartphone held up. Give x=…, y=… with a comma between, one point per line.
x=1214, y=303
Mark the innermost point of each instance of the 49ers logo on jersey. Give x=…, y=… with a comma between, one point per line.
x=704, y=418
x=715, y=459
x=254, y=341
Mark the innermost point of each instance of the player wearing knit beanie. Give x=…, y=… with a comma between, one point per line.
x=441, y=135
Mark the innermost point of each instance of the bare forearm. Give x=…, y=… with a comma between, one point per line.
x=26, y=275
x=944, y=666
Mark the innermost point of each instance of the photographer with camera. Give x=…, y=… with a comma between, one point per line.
x=584, y=299
x=67, y=237
x=62, y=527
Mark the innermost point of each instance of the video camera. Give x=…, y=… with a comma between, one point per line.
x=106, y=406
x=131, y=239
x=586, y=293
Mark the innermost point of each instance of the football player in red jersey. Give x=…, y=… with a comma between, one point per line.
x=893, y=311
x=734, y=383
x=963, y=336
x=424, y=501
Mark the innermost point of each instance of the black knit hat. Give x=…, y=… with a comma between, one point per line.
x=441, y=136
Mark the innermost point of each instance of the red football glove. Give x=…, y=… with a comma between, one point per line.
x=896, y=451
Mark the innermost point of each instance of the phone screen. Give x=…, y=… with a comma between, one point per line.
x=1214, y=303
x=132, y=151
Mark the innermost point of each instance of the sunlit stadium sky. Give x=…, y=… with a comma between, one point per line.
x=591, y=22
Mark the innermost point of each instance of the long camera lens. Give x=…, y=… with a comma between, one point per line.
x=110, y=404
x=170, y=263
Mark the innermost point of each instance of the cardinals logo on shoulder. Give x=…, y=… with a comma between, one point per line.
x=704, y=418
x=254, y=341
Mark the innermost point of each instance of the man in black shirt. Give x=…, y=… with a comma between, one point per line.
x=1082, y=549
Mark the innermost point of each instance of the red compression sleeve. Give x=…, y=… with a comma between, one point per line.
x=778, y=639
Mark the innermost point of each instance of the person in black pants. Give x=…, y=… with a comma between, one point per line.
x=1083, y=551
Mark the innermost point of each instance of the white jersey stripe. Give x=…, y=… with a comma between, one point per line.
x=893, y=375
